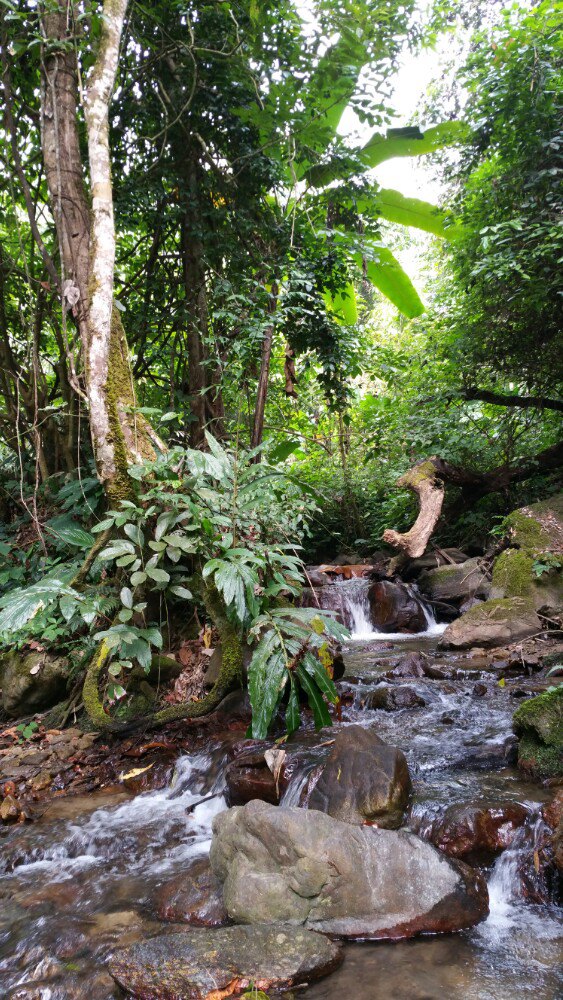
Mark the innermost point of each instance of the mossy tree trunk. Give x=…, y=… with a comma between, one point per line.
x=86, y=234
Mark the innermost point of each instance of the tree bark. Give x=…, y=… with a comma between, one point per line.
x=262, y=392
x=86, y=235
x=523, y=402
x=428, y=480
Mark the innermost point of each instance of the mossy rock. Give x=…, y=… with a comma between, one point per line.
x=32, y=682
x=538, y=723
x=493, y=623
x=538, y=527
x=455, y=581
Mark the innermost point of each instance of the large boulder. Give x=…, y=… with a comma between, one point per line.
x=394, y=608
x=493, y=623
x=203, y=963
x=455, y=582
x=32, y=682
x=538, y=723
x=531, y=566
x=364, y=780
x=300, y=866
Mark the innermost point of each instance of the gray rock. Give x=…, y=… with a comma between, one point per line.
x=363, y=779
x=32, y=682
x=493, y=623
x=195, y=964
x=302, y=867
x=454, y=582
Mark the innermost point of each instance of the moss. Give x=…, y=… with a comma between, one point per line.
x=497, y=608
x=420, y=473
x=513, y=573
x=136, y=706
x=526, y=532
x=542, y=718
x=537, y=760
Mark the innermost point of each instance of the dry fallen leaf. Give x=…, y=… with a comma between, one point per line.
x=135, y=772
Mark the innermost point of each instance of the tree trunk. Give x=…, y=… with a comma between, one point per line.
x=87, y=239
x=262, y=392
x=428, y=480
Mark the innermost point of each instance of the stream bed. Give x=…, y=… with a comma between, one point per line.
x=82, y=880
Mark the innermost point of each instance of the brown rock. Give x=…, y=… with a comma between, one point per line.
x=468, y=830
x=394, y=608
x=364, y=780
x=195, y=897
x=9, y=809
x=249, y=778
x=391, y=699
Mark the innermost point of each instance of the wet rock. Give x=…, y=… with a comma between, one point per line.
x=202, y=962
x=32, y=682
x=394, y=608
x=9, y=809
x=316, y=577
x=504, y=753
x=327, y=598
x=249, y=777
x=432, y=559
x=469, y=830
x=364, y=780
x=194, y=897
x=455, y=582
x=392, y=699
x=411, y=665
x=492, y=623
x=301, y=866
x=480, y=690
x=538, y=723
x=553, y=817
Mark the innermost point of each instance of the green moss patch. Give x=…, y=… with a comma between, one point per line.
x=513, y=573
x=539, y=724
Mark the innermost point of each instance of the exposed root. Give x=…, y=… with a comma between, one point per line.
x=230, y=677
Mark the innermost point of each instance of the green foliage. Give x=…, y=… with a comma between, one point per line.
x=504, y=306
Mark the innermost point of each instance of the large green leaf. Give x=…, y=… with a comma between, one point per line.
x=395, y=207
x=316, y=701
x=344, y=305
x=66, y=530
x=267, y=676
x=411, y=142
x=388, y=276
x=378, y=149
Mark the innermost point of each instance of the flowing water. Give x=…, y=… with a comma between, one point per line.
x=354, y=595
x=82, y=881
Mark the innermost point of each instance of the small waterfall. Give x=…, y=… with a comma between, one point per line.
x=355, y=605
x=510, y=908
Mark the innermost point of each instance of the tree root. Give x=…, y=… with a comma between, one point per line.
x=230, y=677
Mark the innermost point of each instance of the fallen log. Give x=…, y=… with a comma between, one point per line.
x=429, y=478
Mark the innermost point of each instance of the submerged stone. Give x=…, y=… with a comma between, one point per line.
x=303, y=867
x=198, y=963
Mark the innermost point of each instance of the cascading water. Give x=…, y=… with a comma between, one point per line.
x=355, y=602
